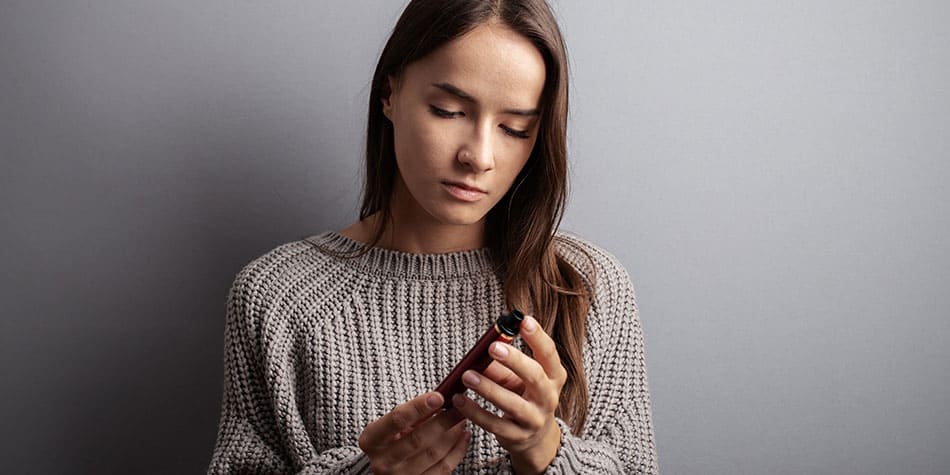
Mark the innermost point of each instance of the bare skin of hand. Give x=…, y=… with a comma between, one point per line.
x=527, y=390
x=416, y=437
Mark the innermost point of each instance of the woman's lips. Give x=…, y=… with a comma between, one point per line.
x=463, y=192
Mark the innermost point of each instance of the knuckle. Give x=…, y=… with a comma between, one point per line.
x=526, y=408
x=538, y=422
x=536, y=377
x=549, y=352
x=414, y=441
x=431, y=453
x=521, y=437
x=445, y=466
x=533, y=420
x=401, y=420
x=552, y=400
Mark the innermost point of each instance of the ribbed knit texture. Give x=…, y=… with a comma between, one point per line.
x=316, y=347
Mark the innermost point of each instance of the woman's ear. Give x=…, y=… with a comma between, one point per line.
x=386, y=97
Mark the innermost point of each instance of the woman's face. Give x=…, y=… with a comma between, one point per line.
x=466, y=114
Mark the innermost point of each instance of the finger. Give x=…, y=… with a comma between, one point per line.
x=500, y=374
x=382, y=431
x=454, y=415
x=436, y=443
x=453, y=458
x=538, y=385
x=423, y=440
x=503, y=428
x=523, y=412
x=543, y=349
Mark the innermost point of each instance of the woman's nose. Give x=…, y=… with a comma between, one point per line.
x=478, y=153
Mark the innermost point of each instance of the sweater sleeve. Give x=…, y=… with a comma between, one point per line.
x=250, y=437
x=618, y=436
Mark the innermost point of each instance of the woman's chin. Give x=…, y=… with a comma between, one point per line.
x=458, y=217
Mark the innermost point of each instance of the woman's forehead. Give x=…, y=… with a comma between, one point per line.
x=489, y=63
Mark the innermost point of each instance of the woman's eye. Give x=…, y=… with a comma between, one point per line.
x=444, y=113
x=521, y=134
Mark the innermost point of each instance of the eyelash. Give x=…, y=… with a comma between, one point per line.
x=520, y=134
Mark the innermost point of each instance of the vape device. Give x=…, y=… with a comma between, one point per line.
x=505, y=330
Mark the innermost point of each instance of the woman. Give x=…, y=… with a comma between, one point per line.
x=334, y=343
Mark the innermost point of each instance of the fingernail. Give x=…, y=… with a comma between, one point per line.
x=499, y=350
x=470, y=378
x=433, y=401
x=458, y=400
x=529, y=324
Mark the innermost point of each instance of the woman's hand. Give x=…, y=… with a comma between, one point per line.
x=413, y=439
x=527, y=390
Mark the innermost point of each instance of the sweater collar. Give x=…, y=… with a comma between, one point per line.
x=406, y=265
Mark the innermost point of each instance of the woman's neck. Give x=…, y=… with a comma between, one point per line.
x=418, y=236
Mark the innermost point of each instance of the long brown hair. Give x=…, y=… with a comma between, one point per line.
x=520, y=232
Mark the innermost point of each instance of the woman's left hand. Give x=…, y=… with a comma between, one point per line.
x=527, y=390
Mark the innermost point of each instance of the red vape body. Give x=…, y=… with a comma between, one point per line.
x=505, y=330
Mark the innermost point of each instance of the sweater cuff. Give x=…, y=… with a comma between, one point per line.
x=564, y=461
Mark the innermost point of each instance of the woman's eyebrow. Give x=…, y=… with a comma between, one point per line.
x=455, y=91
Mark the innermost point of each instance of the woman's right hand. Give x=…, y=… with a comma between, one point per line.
x=413, y=439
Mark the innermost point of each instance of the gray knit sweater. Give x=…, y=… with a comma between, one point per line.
x=316, y=347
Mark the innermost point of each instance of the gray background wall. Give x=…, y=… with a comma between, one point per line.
x=773, y=175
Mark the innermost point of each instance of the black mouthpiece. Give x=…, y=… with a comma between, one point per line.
x=510, y=323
